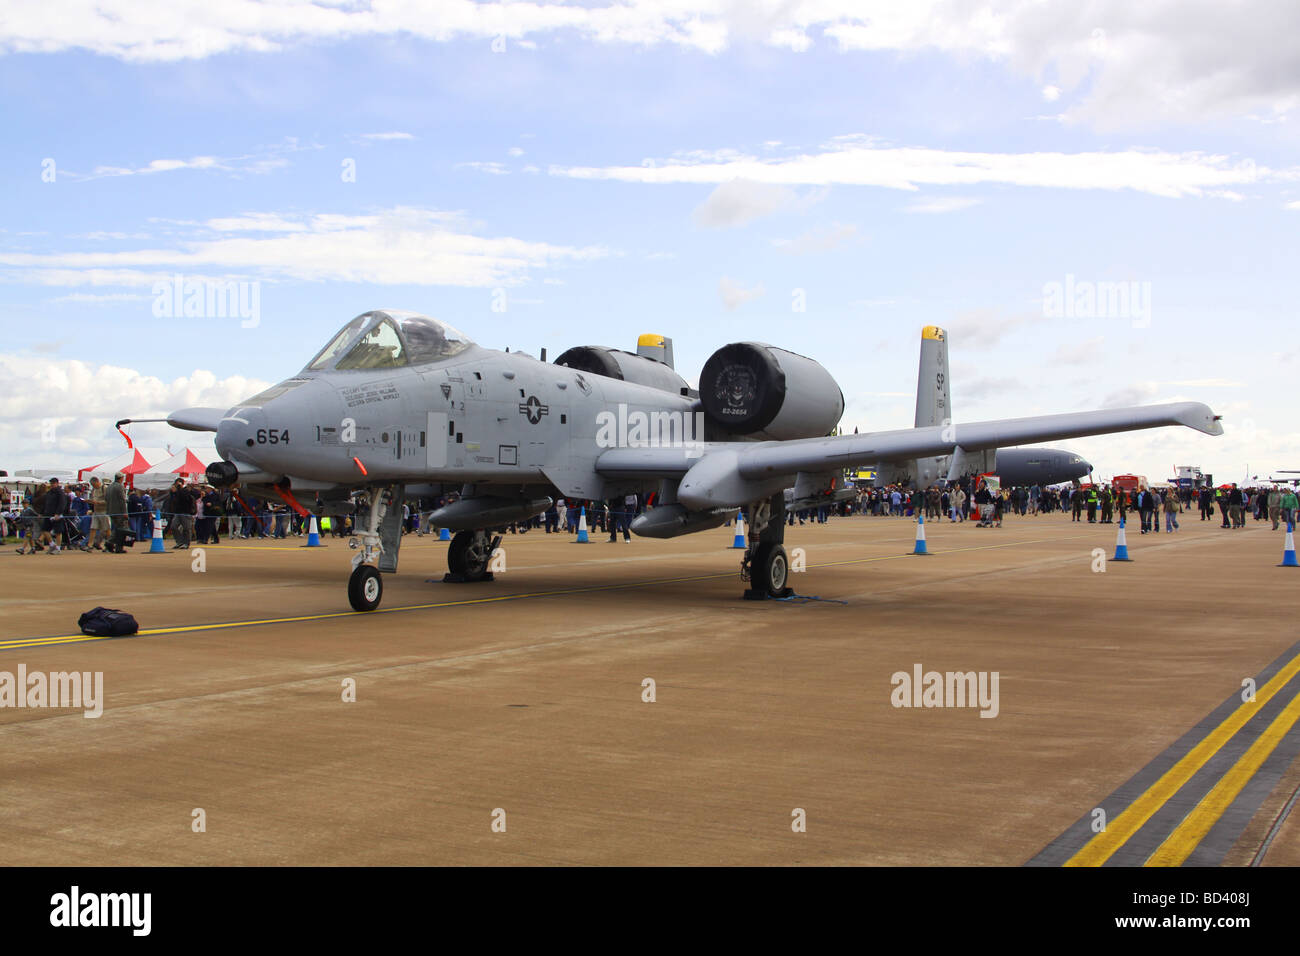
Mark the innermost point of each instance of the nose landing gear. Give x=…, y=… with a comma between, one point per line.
x=366, y=586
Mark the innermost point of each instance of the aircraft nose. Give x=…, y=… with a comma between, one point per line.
x=237, y=434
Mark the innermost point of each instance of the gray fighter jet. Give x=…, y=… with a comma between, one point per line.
x=398, y=403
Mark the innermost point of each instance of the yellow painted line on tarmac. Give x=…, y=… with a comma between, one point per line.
x=252, y=547
x=1102, y=846
x=45, y=641
x=1178, y=846
x=496, y=599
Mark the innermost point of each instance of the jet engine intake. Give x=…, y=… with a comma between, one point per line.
x=757, y=390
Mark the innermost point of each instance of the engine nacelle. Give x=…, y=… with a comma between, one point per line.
x=624, y=366
x=757, y=390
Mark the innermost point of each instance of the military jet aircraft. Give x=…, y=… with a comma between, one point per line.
x=1015, y=466
x=398, y=403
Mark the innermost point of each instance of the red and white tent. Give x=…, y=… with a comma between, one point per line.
x=133, y=461
x=184, y=464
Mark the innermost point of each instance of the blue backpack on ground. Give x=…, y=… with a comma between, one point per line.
x=107, y=622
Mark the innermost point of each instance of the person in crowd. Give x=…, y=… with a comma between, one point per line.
x=30, y=524
x=1205, y=499
x=1172, y=508
x=1289, y=504
x=99, y=523
x=1146, y=508
x=134, y=511
x=181, y=508
x=1236, y=507
x=79, y=511
x=213, y=511
x=54, y=504
x=115, y=500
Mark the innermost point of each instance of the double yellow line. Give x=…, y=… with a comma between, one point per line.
x=1180, y=843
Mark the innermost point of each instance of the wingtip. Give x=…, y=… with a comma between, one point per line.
x=1202, y=418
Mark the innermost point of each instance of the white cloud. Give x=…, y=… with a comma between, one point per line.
x=822, y=239
x=1139, y=393
x=983, y=328
x=257, y=163
x=735, y=295
x=1079, y=353
x=82, y=400
x=943, y=204
x=396, y=246
x=739, y=201
x=1206, y=383
x=256, y=222
x=496, y=169
x=89, y=298
x=1051, y=93
x=858, y=161
x=387, y=137
x=1159, y=59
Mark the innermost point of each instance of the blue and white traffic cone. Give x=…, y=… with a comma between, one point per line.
x=739, y=540
x=313, y=535
x=920, y=534
x=444, y=534
x=1121, y=544
x=582, y=526
x=1288, y=555
x=156, y=545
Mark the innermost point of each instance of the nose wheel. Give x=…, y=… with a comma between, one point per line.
x=365, y=588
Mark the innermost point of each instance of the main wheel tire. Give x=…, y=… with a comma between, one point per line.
x=467, y=555
x=771, y=568
x=365, y=588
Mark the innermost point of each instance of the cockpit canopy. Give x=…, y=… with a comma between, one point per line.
x=390, y=339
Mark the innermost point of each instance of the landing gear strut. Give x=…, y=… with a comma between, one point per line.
x=365, y=586
x=765, y=565
x=468, y=557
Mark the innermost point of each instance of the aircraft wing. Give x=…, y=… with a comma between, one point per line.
x=729, y=474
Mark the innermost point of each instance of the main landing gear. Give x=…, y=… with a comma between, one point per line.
x=468, y=557
x=765, y=565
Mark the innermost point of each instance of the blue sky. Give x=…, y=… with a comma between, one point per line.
x=691, y=170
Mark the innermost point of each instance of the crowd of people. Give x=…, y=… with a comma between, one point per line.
x=110, y=516
x=1097, y=504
